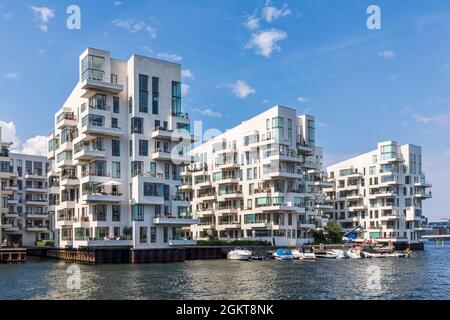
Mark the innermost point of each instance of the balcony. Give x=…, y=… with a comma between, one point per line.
x=102, y=197
x=93, y=129
x=89, y=154
x=36, y=202
x=171, y=156
x=280, y=173
x=37, y=228
x=69, y=181
x=12, y=215
x=226, y=211
x=13, y=201
x=357, y=208
x=228, y=165
x=230, y=195
x=228, y=225
x=422, y=195
x=36, y=189
x=32, y=215
x=173, y=220
x=93, y=86
x=66, y=120
x=304, y=149
x=35, y=175
x=203, y=213
x=67, y=204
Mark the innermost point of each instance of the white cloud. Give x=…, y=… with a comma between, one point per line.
x=135, y=26
x=12, y=75
x=322, y=124
x=169, y=56
x=266, y=42
x=184, y=89
x=9, y=133
x=252, y=22
x=447, y=152
x=42, y=16
x=36, y=145
x=387, y=54
x=118, y=3
x=438, y=119
x=186, y=74
x=271, y=14
x=302, y=99
x=241, y=89
x=208, y=112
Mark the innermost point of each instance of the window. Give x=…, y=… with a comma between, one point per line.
x=115, y=148
x=98, y=102
x=137, y=168
x=115, y=123
x=137, y=212
x=116, y=169
x=166, y=171
x=388, y=152
x=143, y=93
x=155, y=95
x=92, y=67
x=153, y=189
x=99, y=212
x=176, y=98
x=153, y=238
x=137, y=125
x=115, y=213
x=166, y=234
x=278, y=122
x=143, y=234
x=93, y=120
x=311, y=133
x=153, y=169
x=143, y=147
x=116, y=105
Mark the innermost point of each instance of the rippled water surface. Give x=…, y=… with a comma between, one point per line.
x=423, y=276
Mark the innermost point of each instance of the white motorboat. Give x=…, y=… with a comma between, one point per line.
x=309, y=256
x=283, y=254
x=354, y=254
x=340, y=254
x=297, y=254
x=239, y=254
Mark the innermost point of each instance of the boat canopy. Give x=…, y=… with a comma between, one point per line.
x=284, y=252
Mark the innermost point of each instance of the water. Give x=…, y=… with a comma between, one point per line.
x=423, y=276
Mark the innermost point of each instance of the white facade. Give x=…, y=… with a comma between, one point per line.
x=381, y=191
x=25, y=217
x=116, y=167
x=257, y=180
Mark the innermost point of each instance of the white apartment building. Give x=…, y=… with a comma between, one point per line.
x=381, y=191
x=25, y=217
x=117, y=155
x=258, y=180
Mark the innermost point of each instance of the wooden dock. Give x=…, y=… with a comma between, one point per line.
x=13, y=255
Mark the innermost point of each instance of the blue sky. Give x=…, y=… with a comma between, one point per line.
x=241, y=57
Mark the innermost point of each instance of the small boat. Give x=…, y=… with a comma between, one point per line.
x=283, y=254
x=239, y=254
x=309, y=256
x=340, y=254
x=297, y=254
x=325, y=254
x=354, y=254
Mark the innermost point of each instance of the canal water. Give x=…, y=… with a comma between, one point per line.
x=426, y=275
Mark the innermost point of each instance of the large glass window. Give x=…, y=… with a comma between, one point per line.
x=143, y=147
x=137, y=125
x=115, y=148
x=99, y=212
x=115, y=212
x=93, y=68
x=388, y=152
x=98, y=102
x=176, y=98
x=116, y=169
x=93, y=120
x=143, y=93
x=155, y=95
x=153, y=189
x=137, y=212
x=116, y=105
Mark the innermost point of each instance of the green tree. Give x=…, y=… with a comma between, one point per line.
x=319, y=236
x=333, y=233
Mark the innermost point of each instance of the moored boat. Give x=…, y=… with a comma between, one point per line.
x=239, y=254
x=283, y=254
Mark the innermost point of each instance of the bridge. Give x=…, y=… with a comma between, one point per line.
x=436, y=237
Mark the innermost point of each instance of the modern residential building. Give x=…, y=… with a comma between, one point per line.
x=381, y=191
x=25, y=218
x=117, y=153
x=257, y=180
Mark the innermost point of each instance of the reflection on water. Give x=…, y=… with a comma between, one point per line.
x=424, y=276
